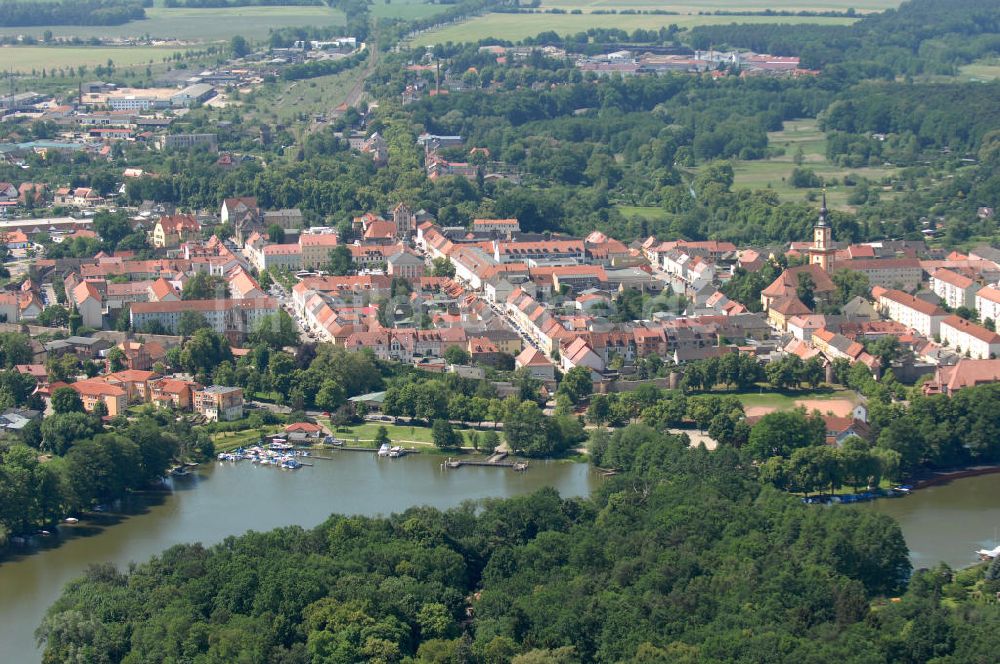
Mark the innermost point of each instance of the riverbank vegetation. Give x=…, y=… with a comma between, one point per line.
x=72, y=462
x=685, y=556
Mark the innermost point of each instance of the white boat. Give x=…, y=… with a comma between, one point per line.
x=71, y=519
x=384, y=450
x=395, y=452
x=988, y=554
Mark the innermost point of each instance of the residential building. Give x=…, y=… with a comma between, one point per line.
x=898, y=273
x=279, y=256
x=965, y=373
x=967, y=338
x=988, y=303
x=230, y=317
x=89, y=304
x=288, y=219
x=503, y=227
x=173, y=393
x=537, y=364
x=170, y=231
x=135, y=382
x=315, y=248
x=188, y=141
x=162, y=290
x=94, y=390
x=923, y=317
x=957, y=290
x=218, y=403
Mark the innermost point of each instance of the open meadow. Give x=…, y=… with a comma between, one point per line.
x=198, y=24
x=28, y=58
x=518, y=26
x=774, y=173
x=284, y=101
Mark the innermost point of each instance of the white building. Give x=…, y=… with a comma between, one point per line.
x=988, y=303
x=225, y=316
x=969, y=339
x=957, y=290
x=923, y=317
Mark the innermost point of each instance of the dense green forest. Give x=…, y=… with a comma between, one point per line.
x=683, y=558
x=921, y=36
x=24, y=13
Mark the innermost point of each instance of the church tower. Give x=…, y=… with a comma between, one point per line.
x=821, y=253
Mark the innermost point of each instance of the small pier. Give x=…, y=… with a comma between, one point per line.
x=487, y=463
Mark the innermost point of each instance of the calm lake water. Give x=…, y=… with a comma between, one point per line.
x=948, y=522
x=227, y=499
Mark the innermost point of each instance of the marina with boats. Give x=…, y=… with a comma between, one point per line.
x=278, y=453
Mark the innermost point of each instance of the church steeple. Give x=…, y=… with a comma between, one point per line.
x=822, y=212
x=821, y=253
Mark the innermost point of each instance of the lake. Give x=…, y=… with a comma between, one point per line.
x=225, y=499
x=948, y=522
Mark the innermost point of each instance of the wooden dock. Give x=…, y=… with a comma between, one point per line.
x=488, y=463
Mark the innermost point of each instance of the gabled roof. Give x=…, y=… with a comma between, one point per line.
x=977, y=331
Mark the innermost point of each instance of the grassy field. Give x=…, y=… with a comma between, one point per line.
x=198, y=24
x=690, y=7
x=398, y=434
x=519, y=26
x=650, y=213
x=774, y=173
x=405, y=9
x=284, y=101
x=984, y=70
x=230, y=440
x=27, y=58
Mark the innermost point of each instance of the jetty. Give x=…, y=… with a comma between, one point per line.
x=491, y=462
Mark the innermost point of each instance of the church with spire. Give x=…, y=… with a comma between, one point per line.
x=822, y=252
x=781, y=300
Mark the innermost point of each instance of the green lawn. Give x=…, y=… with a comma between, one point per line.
x=229, y=440
x=199, y=24
x=651, y=213
x=519, y=26
x=774, y=173
x=27, y=58
x=400, y=435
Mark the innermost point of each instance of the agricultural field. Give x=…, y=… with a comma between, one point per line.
x=690, y=7
x=774, y=173
x=514, y=27
x=198, y=24
x=405, y=9
x=28, y=58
